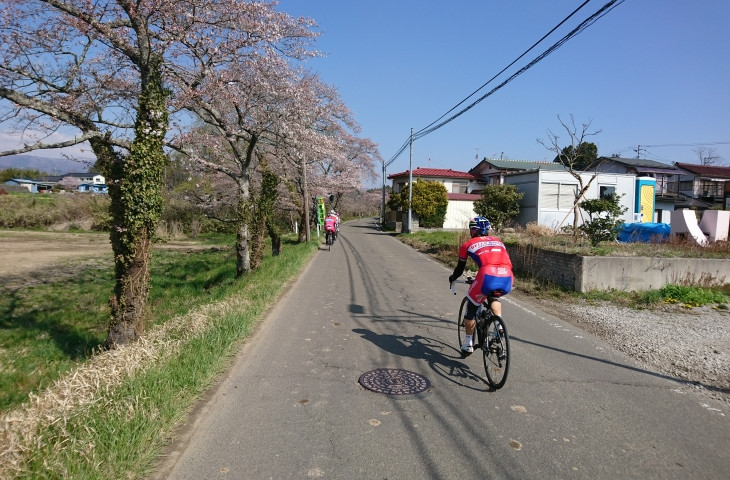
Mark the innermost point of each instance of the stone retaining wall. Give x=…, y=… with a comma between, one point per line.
x=583, y=274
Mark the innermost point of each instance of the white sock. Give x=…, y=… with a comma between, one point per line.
x=468, y=340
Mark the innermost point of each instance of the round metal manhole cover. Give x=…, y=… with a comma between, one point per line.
x=393, y=381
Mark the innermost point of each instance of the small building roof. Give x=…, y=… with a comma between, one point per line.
x=506, y=165
x=639, y=165
x=435, y=173
x=706, y=170
x=81, y=175
x=463, y=196
x=50, y=178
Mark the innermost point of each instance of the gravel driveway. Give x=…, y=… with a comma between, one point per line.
x=689, y=344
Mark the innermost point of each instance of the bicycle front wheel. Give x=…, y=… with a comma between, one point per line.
x=496, y=353
x=460, y=323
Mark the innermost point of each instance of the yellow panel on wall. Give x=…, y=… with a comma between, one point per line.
x=647, y=203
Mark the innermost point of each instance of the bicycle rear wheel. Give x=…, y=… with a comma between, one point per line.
x=496, y=353
x=460, y=323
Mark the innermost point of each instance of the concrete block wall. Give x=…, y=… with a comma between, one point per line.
x=584, y=274
x=558, y=268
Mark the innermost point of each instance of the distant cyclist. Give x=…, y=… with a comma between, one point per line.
x=337, y=219
x=331, y=225
x=494, y=275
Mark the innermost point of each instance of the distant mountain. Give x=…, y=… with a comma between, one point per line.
x=51, y=166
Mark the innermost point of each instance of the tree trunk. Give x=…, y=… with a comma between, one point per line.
x=257, y=239
x=136, y=205
x=130, y=295
x=243, y=252
x=275, y=238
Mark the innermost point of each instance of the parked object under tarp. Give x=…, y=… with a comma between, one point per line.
x=644, y=232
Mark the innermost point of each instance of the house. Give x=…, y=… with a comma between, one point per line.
x=84, y=178
x=666, y=191
x=462, y=188
x=492, y=170
x=93, y=188
x=707, y=183
x=82, y=182
x=33, y=186
x=549, y=195
x=549, y=189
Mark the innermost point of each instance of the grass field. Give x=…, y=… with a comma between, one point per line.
x=71, y=410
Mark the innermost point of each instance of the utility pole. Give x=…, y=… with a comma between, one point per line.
x=307, y=236
x=382, y=200
x=638, y=151
x=410, y=181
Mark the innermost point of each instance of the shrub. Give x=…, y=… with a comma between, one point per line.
x=499, y=203
x=604, y=222
x=430, y=202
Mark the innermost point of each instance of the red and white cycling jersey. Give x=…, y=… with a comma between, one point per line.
x=489, y=254
x=494, y=267
x=330, y=223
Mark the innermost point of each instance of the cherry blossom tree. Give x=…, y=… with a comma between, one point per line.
x=246, y=106
x=350, y=171
x=105, y=72
x=324, y=154
x=264, y=106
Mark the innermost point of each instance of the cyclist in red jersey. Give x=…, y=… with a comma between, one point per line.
x=494, y=275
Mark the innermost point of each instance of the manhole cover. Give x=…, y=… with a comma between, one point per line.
x=393, y=381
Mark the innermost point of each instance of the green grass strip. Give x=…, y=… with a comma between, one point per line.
x=119, y=428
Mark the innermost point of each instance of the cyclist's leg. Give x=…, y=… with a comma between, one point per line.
x=475, y=299
x=470, y=317
x=469, y=324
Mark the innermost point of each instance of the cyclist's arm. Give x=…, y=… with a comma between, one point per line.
x=458, y=270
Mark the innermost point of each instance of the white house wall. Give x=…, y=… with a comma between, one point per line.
x=533, y=209
x=458, y=214
x=526, y=184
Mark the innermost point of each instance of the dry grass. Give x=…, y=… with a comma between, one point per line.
x=91, y=384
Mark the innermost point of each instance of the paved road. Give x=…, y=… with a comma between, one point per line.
x=573, y=407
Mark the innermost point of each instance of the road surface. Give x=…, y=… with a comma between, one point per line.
x=573, y=407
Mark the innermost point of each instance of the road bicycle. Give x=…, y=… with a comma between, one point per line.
x=329, y=239
x=491, y=339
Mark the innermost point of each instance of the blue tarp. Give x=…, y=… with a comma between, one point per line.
x=644, y=232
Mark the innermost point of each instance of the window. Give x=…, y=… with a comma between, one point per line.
x=458, y=186
x=708, y=188
x=685, y=185
x=559, y=196
x=605, y=191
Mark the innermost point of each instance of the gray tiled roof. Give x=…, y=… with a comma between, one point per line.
x=637, y=162
x=520, y=165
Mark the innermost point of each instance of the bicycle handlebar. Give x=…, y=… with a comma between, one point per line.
x=468, y=281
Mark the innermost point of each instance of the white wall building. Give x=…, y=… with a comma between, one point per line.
x=549, y=195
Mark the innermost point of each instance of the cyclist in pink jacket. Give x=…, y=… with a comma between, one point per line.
x=330, y=226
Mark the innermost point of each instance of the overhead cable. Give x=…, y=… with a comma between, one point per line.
x=508, y=66
x=585, y=24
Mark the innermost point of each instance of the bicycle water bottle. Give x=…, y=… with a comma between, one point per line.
x=480, y=316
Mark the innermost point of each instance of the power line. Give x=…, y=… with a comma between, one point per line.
x=644, y=146
x=726, y=142
x=508, y=66
x=585, y=24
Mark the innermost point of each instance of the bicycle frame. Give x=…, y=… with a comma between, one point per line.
x=491, y=338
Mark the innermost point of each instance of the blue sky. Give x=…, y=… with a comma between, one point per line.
x=650, y=73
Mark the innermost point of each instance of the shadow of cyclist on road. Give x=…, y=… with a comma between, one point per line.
x=448, y=365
